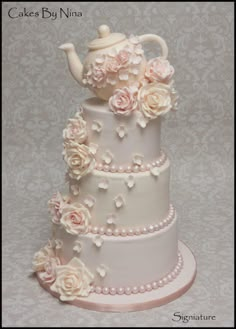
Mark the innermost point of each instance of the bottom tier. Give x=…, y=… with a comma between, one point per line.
x=122, y=261
x=158, y=295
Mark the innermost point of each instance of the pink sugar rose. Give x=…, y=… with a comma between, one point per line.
x=42, y=257
x=75, y=218
x=112, y=65
x=123, y=101
x=49, y=275
x=96, y=77
x=159, y=69
x=76, y=130
x=99, y=74
x=123, y=57
x=56, y=205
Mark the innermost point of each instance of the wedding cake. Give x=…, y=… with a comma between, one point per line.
x=114, y=243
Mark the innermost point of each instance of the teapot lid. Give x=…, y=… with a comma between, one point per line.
x=106, y=39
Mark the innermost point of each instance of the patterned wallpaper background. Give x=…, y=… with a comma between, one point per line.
x=39, y=95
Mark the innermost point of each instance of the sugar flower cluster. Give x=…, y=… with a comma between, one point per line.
x=78, y=156
x=69, y=281
x=74, y=279
x=115, y=66
x=73, y=217
x=154, y=95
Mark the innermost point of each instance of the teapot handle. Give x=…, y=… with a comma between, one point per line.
x=159, y=40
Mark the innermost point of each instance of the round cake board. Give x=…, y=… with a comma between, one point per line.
x=140, y=301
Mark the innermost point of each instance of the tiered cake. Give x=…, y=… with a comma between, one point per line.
x=114, y=244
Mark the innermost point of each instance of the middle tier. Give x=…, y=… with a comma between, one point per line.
x=124, y=199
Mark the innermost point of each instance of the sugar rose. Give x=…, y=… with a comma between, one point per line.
x=55, y=206
x=49, y=274
x=159, y=69
x=154, y=100
x=75, y=218
x=76, y=130
x=112, y=65
x=123, y=101
x=72, y=280
x=96, y=76
x=42, y=257
x=79, y=158
x=123, y=57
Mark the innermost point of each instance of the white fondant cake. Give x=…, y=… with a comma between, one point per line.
x=115, y=232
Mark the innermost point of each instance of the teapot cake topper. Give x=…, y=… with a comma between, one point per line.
x=113, y=61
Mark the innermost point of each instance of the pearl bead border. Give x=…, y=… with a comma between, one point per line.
x=142, y=288
x=123, y=232
x=132, y=168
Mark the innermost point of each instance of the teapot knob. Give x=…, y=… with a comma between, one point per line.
x=103, y=31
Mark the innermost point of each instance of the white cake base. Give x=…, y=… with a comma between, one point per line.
x=147, y=300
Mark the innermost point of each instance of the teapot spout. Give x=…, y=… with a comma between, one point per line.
x=74, y=63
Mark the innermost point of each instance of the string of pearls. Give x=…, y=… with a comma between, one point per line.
x=132, y=168
x=103, y=230
x=142, y=288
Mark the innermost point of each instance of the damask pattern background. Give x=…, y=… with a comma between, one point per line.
x=39, y=95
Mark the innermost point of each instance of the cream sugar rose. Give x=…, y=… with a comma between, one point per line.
x=117, y=209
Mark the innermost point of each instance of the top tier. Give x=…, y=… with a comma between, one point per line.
x=113, y=62
x=120, y=139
